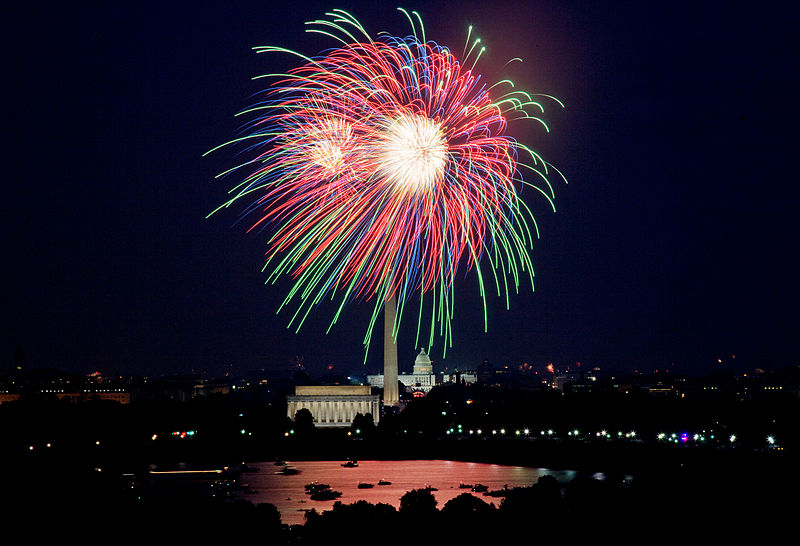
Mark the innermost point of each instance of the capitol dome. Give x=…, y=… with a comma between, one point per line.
x=422, y=365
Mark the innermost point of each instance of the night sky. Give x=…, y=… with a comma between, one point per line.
x=674, y=243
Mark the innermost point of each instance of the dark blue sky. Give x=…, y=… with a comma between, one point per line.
x=675, y=241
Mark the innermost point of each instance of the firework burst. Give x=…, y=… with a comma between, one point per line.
x=383, y=168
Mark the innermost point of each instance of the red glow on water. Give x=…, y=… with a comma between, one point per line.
x=287, y=492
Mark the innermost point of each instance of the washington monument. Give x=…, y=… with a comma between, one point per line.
x=391, y=396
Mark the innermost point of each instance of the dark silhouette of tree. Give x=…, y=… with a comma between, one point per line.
x=418, y=503
x=467, y=505
x=360, y=522
x=542, y=501
x=269, y=520
x=303, y=422
x=468, y=518
x=363, y=424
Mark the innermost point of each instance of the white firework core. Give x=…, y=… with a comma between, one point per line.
x=327, y=154
x=328, y=144
x=413, y=153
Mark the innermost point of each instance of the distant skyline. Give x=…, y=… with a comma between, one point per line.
x=675, y=240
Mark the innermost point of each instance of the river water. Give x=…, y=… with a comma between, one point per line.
x=287, y=492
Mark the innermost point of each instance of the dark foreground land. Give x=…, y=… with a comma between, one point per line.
x=702, y=494
x=91, y=478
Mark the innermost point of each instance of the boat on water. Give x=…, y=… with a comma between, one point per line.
x=362, y=485
x=328, y=494
x=195, y=474
x=288, y=471
x=350, y=464
x=384, y=482
x=279, y=463
x=463, y=485
x=315, y=487
x=480, y=488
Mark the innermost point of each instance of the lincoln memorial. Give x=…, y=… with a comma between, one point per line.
x=334, y=406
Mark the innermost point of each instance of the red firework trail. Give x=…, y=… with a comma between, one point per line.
x=383, y=168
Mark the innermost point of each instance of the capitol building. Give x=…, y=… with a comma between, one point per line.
x=422, y=379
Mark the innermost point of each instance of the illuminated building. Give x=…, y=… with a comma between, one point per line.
x=422, y=379
x=115, y=395
x=334, y=406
